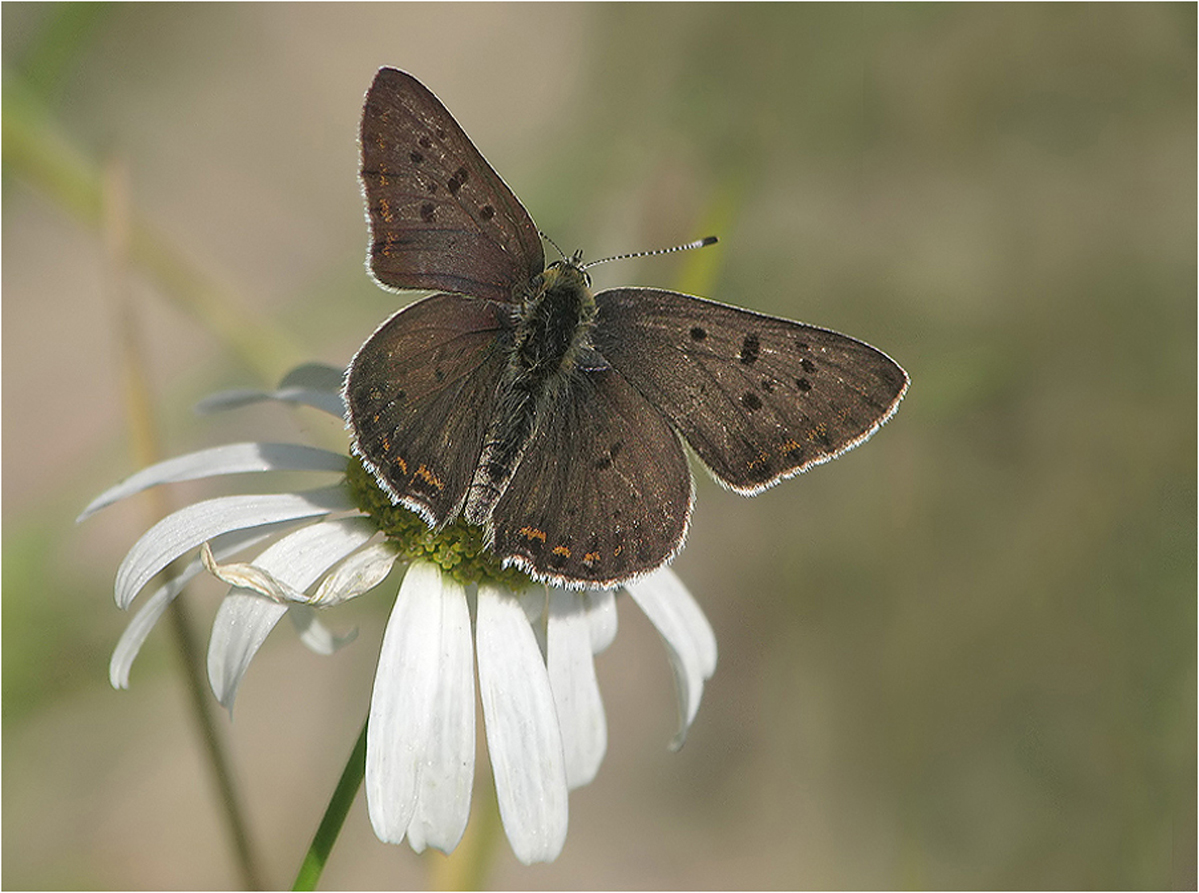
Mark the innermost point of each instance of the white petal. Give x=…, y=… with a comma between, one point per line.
x=322, y=400
x=313, y=384
x=535, y=601
x=402, y=701
x=316, y=377
x=234, y=398
x=147, y=616
x=693, y=618
x=447, y=772
x=139, y=627
x=241, y=625
x=690, y=642
x=244, y=620
x=314, y=634
x=233, y=458
x=522, y=729
x=576, y=690
x=300, y=393
x=185, y=529
x=244, y=575
x=356, y=574
x=601, y=614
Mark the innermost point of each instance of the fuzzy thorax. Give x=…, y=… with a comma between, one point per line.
x=552, y=343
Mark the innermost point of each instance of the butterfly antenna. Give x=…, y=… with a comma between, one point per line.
x=552, y=242
x=698, y=243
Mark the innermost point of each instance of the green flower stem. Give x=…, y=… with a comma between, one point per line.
x=36, y=151
x=465, y=869
x=335, y=816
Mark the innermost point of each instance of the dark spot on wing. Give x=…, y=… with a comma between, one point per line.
x=455, y=182
x=750, y=348
x=426, y=212
x=698, y=333
x=803, y=384
x=606, y=460
x=750, y=401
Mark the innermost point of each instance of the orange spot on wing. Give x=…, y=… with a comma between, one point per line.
x=532, y=533
x=761, y=459
x=429, y=477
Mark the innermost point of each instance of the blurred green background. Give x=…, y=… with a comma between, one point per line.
x=961, y=656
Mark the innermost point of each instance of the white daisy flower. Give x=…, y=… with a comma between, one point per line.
x=542, y=712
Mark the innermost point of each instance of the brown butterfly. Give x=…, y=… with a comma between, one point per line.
x=551, y=417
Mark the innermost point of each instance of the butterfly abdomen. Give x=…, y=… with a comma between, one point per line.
x=552, y=333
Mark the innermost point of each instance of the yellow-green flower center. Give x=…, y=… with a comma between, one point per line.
x=457, y=548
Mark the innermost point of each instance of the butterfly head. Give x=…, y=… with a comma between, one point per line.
x=569, y=272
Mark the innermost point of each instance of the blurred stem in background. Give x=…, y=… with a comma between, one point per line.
x=139, y=413
x=466, y=868
x=38, y=153
x=35, y=151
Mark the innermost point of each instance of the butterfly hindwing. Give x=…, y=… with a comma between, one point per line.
x=757, y=397
x=602, y=493
x=414, y=392
x=440, y=216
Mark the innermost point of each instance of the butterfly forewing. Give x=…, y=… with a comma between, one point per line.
x=440, y=217
x=417, y=393
x=603, y=492
x=757, y=397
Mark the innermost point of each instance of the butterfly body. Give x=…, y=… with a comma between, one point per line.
x=551, y=417
x=552, y=333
